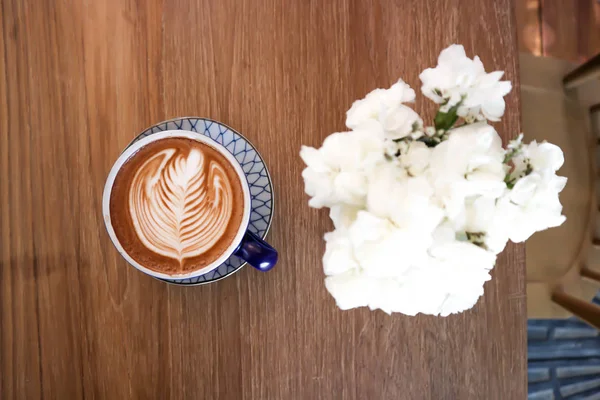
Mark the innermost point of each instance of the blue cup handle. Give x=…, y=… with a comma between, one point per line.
x=258, y=253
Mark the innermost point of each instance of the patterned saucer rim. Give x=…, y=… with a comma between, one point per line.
x=268, y=176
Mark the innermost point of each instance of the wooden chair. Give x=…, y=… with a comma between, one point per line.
x=583, y=73
x=583, y=309
x=563, y=264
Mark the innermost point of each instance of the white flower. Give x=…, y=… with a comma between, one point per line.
x=406, y=201
x=533, y=204
x=383, y=249
x=459, y=279
x=417, y=229
x=461, y=268
x=447, y=279
x=487, y=222
x=415, y=158
x=482, y=222
x=450, y=281
x=362, y=262
x=356, y=288
x=379, y=99
x=401, y=122
x=343, y=216
x=468, y=163
x=458, y=78
x=352, y=289
x=541, y=157
x=515, y=144
x=337, y=172
x=338, y=257
x=385, y=106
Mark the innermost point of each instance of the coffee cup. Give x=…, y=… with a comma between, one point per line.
x=176, y=205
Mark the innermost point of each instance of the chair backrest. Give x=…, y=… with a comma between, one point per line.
x=557, y=259
x=586, y=310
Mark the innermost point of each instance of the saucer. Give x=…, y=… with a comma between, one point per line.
x=257, y=176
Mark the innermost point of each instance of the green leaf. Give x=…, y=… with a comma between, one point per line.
x=510, y=181
x=446, y=120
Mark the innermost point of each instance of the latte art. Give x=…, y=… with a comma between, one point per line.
x=180, y=204
x=177, y=205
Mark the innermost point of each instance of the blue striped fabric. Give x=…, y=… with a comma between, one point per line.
x=563, y=359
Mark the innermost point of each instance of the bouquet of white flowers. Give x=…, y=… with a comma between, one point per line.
x=421, y=212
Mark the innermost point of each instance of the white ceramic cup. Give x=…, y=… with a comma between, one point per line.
x=245, y=245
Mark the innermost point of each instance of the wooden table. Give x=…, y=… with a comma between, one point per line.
x=78, y=79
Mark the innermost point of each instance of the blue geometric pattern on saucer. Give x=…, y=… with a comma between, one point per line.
x=257, y=176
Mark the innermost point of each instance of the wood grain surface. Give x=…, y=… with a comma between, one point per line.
x=78, y=79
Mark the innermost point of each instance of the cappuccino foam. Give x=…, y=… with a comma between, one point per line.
x=176, y=205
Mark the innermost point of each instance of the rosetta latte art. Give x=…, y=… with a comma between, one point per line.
x=180, y=207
